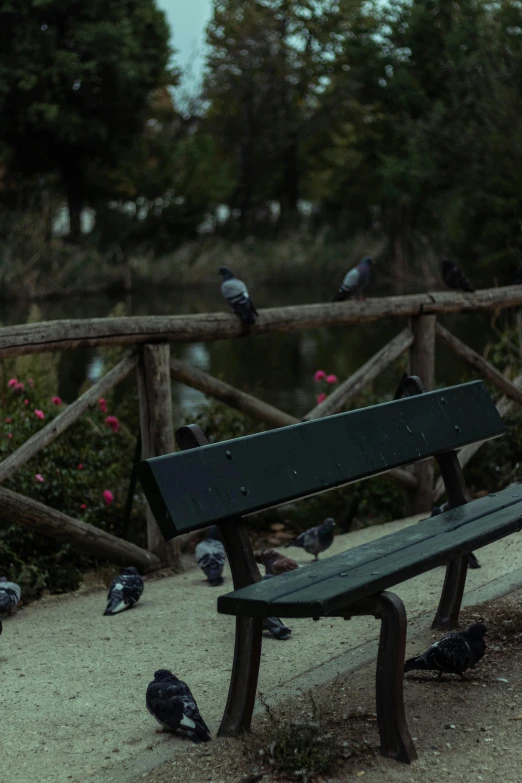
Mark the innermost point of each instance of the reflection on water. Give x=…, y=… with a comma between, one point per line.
x=276, y=367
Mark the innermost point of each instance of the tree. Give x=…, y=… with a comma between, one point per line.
x=75, y=84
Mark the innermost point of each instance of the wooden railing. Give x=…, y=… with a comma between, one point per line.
x=150, y=338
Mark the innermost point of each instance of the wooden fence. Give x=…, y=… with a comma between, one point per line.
x=150, y=338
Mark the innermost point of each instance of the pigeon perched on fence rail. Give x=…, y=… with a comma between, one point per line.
x=472, y=558
x=170, y=701
x=355, y=280
x=453, y=654
x=454, y=277
x=125, y=591
x=210, y=557
x=236, y=294
x=10, y=594
x=274, y=562
x=316, y=539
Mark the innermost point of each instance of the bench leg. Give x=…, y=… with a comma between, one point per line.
x=396, y=742
x=243, y=682
x=447, y=616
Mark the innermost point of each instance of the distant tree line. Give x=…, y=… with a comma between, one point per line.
x=402, y=119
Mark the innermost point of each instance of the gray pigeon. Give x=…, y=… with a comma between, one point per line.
x=355, y=280
x=274, y=625
x=452, y=654
x=236, y=294
x=210, y=556
x=10, y=594
x=316, y=539
x=125, y=591
x=455, y=277
x=170, y=701
x=472, y=558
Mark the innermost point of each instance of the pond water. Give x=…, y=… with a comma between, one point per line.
x=277, y=367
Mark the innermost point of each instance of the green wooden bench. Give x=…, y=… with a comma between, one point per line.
x=223, y=482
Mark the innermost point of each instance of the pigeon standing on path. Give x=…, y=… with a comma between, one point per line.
x=454, y=277
x=316, y=539
x=10, y=594
x=125, y=591
x=274, y=562
x=472, y=558
x=453, y=654
x=236, y=294
x=170, y=701
x=355, y=280
x=210, y=557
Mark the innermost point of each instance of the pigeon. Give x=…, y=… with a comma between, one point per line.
x=274, y=625
x=472, y=558
x=10, y=594
x=316, y=539
x=125, y=591
x=452, y=654
x=274, y=562
x=355, y=280
x=454, y=277
x=171, y=703
x=236, y=294
x=210, y=556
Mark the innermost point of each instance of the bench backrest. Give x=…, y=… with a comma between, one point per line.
x=193, y=489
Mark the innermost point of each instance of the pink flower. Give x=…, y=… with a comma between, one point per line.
x=39, y=414
x=113, y=423
x=9, y=434
x=12, y=382
x=108, y=496
x=18, y=386
x=39, y=478
x=321, y=397
x=83, y=505
x=8, y=420
x=80, y=466
x=103, y=405
x=26, y=402
x=331, y=379
x=319, y=375
x=56, y=400
x=30, y=382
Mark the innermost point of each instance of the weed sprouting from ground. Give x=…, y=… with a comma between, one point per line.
x=301, y=747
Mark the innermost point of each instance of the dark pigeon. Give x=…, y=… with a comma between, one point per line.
x=125, y=591
x=472, y=558
x=170, y=701
x=274, y=562
x=355, y=280
x=210, y=557
x=274, y=625
x=236, y=294
x=10, y=594
x=454, y=277
x=453, y=654
x=316, y=539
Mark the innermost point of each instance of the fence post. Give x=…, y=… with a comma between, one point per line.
x=422, y=363
x=157, y=435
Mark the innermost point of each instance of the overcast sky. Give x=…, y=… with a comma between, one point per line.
x=187, y=20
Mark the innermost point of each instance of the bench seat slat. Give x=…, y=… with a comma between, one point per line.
x=199, y=487
x=323, y=588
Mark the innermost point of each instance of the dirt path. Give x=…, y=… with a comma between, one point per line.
x=73, y=681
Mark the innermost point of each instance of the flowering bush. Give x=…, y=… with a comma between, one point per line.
x=326, y=381
x=84, y=473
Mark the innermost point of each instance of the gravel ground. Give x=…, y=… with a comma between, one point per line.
x=73, y=681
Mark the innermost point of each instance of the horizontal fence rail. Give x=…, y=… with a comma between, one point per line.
x=49, y=336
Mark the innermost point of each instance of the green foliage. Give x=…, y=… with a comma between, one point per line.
x=70, y=475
